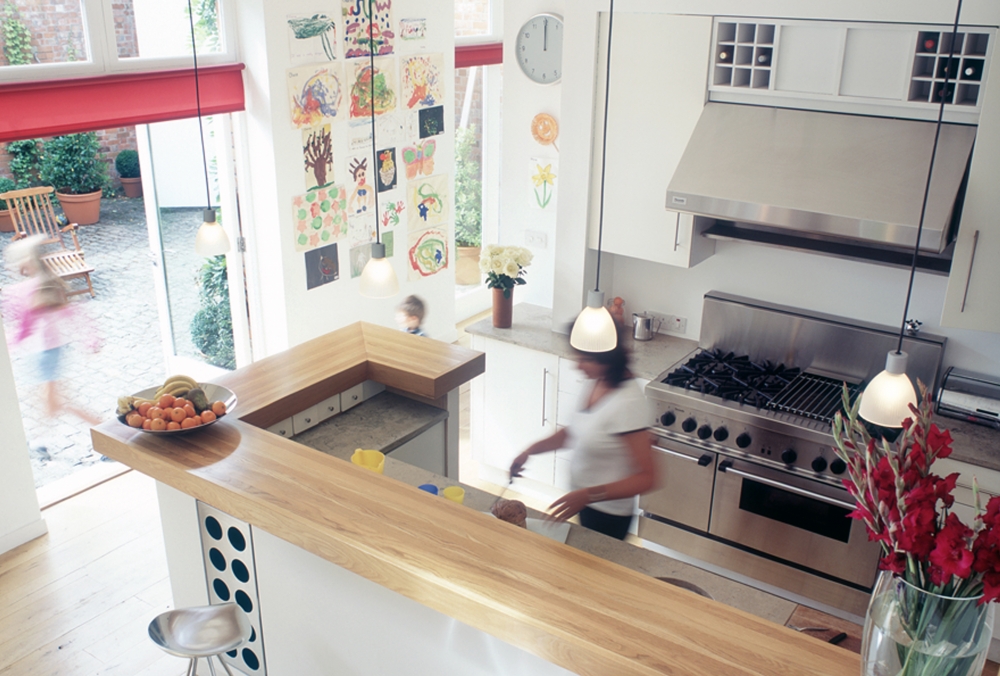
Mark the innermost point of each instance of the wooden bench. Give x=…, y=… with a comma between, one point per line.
x=32, y=213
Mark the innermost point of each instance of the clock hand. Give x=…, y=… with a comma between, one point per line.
x=545, y=36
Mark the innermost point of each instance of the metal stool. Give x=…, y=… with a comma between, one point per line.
x=201, y=632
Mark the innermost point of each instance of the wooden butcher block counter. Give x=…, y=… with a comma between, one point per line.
x=571, y=608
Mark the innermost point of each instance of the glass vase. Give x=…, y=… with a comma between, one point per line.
x=913, y=632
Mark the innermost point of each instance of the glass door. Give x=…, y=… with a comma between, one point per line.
x=196, y=297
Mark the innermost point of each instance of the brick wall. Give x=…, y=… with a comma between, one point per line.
x=111, y=140
x=472, y=17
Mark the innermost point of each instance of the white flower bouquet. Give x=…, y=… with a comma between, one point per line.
x=504, y=266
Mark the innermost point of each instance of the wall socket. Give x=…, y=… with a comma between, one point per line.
x=670, y=323
x=535, y=239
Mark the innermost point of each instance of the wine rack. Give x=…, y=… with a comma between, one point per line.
x=743, y=55
x=959, y=57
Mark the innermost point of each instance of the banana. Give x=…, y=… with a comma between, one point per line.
x=179, y=379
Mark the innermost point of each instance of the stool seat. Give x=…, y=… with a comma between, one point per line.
x=201, y=631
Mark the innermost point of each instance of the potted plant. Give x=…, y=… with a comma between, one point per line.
x=71, y=164
x=6, y=222
x=468, y=211
x=505, y=268
x=127, y=166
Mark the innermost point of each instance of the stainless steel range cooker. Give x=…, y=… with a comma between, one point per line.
x=749, y=479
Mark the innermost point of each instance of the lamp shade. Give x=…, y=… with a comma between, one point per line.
x=211, y=239
x=378, y=279
x=887, y=399
x=594, y=329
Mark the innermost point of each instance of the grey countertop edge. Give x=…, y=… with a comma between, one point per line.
x=531, y=327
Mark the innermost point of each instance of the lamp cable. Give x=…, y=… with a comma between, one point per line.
x=371, y=102
x=604, y=146
x=197, y=98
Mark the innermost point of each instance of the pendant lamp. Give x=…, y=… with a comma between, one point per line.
x=211, y=239
x=887, y=400
x=594, y=329
x=378, y=278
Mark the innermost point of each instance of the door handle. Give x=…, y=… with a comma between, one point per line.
x=545, y=383
x=727, y=466
x=972, y=261
x=677, y=232
x=703, y=461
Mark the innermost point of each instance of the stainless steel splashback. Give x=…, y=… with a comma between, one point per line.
x=825, y=344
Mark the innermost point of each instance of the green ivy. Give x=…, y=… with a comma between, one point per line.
x=25, y=162
x=468, y=191
x=212, y=325
x=6, y=184
x=16, y=38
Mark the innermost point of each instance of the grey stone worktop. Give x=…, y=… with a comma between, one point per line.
x=532, y=328
x=975, y=444
x=382, y=423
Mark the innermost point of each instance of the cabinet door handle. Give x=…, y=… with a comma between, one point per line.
x=545, y=383
x=972, y=261
x=677, y=232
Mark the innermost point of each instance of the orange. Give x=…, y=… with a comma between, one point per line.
x=207, y=416
x=154, y=412
x=178, y=414
x=180, y=402
x=189, y=409
x=134, y=420
x=219, y=408
x=173, y=426
x=144, y=408
x=198, y=420
x=188, y=422
x=166, y=401
x=146, y=424
x=157, y=424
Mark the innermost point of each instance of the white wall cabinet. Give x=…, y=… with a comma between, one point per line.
x=659, y=65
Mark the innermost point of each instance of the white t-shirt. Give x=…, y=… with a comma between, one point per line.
x=600, y=454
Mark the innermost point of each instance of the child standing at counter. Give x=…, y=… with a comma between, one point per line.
x=410, y=315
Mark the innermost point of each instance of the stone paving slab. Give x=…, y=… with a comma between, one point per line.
x=123, y=314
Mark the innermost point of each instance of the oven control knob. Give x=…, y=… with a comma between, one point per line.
x=819, y=464
x=838, y=466
x=668, y=419
x=704, y=432
x=788, y=456
x=743, y=440
x=721, y=434
x=689, y=425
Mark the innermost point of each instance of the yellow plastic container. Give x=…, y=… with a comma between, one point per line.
x=454, y=493
x=373, y=460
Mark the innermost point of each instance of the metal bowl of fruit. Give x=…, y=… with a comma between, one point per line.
x=178, y=406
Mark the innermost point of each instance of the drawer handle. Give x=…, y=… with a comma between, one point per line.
x=703, y=461
x=309, y=420
x=281, y=432
x=727, y=466
x=331, y=408
x=972, y=261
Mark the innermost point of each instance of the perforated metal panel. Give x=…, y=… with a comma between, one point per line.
x=230, y=574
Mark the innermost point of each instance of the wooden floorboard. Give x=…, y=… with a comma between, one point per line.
x=78, y=600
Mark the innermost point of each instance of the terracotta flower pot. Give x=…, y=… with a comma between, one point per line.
x=6, y=222
x=81, y=209
x=503, y=308
x=132, y=187
x=467, y=266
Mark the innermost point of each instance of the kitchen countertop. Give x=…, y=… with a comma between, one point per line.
x=532, y=328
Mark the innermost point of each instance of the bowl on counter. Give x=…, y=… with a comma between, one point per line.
x=212, y=392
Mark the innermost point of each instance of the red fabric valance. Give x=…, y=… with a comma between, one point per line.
x=478, y=55
x=54, y=107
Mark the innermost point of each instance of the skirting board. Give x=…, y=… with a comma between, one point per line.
x=22, y=535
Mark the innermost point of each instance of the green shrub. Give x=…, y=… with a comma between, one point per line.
x=72, y=164
x=127, y=163
x=468, y=191
x=212, y=326
x=5, y=185
x=25, y=162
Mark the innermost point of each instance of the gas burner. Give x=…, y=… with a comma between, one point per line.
x=731, y=377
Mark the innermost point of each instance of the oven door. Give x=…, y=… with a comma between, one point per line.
x=795, y=519
x=686, y=475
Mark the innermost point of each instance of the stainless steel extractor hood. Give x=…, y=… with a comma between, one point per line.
x=823, y=176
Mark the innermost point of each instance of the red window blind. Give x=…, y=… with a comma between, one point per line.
x=478, y=55
x=53, y=107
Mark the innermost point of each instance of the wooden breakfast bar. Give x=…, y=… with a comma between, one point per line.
x=569, y=608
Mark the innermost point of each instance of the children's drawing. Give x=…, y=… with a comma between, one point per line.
x=319, y=217
x=544, y=179
x=422, y=81
x=386, y=169
x=361, y=30
x=360, y=79
x=317, y=156
x=389, y=239
x=431, y=121
x=428, y=253
x=412, y=30
x=359, y=258
x=311, y=38
x=428, y=199
x=391, y=213
x=322, y=266
x=419, y=159
x=315, y=94
x=363, y=195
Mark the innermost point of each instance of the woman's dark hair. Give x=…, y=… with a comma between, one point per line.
x=614, y=361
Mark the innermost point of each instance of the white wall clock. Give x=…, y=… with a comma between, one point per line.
x=539, y=48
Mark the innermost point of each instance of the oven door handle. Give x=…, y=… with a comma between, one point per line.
x=727, y=466
x=704, y=460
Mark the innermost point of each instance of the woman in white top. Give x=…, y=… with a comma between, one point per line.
x=612, y=458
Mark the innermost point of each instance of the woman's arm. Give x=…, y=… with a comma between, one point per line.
x=549, y=443
x=640, y=449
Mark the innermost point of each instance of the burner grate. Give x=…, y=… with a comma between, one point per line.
x=812, y=396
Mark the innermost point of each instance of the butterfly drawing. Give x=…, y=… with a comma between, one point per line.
x=419, y=159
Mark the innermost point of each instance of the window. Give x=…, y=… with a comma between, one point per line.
x=161, y=28
x=33, y=34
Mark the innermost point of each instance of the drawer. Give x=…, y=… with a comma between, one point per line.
x=303, y=420
x=988, y=479
x=329, y=407
x=282, y=429
x=352, y=397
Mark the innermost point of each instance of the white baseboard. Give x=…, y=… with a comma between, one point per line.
x=22, y=535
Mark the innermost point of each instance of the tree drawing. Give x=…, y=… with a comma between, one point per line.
x=317, y=153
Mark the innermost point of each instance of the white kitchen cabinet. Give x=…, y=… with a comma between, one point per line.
x=513, y=406
x=351, y=397
x=282, y=429
x=305, y=419
x=659, y=66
